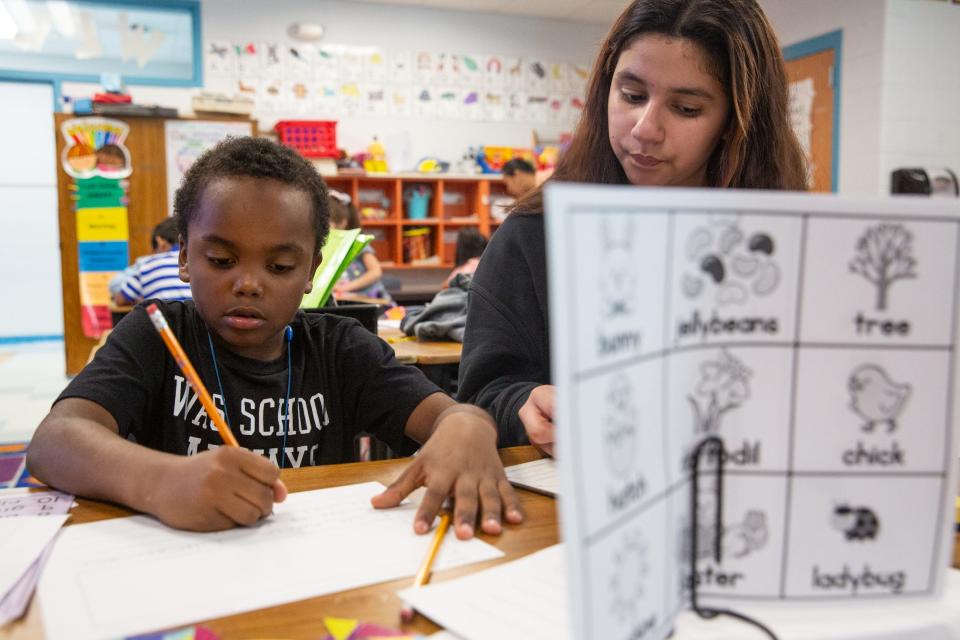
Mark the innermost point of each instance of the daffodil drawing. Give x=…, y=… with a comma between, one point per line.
x=724, y=385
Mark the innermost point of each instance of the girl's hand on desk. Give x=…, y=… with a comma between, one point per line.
x=536, y=414
x=460, y=460
x=217, y=489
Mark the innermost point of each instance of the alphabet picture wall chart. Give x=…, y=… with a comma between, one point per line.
x=815, y=335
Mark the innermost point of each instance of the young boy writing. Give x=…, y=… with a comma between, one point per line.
x=295, y=388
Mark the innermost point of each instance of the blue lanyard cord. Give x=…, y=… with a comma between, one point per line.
x=223, y=396
x=283, y=449
x=216, y=370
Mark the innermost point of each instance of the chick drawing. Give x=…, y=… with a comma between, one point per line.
x=875, y=397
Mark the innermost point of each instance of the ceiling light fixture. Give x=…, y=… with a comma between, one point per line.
x=8, y=28
x=22, y=15
x=62, y=17
x=306, y=31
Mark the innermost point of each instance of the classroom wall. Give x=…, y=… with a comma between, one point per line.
x=921, y=86
x=394, y=28
x=30, y=288
x=861, y=83
x=900, y=82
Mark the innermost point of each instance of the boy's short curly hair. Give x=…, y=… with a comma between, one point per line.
x=249, y=157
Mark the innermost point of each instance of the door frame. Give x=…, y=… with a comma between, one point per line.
x=832, y=40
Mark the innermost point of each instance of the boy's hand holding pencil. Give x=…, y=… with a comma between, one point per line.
x=216, y=489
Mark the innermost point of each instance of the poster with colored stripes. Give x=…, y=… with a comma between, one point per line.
x=96, y=158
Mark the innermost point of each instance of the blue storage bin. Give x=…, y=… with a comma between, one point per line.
x=417, y=200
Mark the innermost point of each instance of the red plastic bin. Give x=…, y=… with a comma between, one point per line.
x=312, y=138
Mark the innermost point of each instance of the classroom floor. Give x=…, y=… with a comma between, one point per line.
x=31, y=377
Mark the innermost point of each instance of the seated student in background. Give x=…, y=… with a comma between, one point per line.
x=519, y=176
x=295, y=388
x=466, y=257
x=153, y=276
x=162, y=238
x=362, y=276
x=684, y=93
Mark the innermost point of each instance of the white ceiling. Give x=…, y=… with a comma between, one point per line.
x=600, y=11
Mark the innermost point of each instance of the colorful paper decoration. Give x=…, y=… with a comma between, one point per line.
x=95, y=156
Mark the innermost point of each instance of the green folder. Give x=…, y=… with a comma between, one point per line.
x=341, y=248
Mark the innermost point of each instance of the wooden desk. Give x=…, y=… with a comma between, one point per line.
x=409, y=296
x=421, y=352
x=377, y=603
x=356, y=297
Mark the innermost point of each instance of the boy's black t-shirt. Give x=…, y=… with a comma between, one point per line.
x=344, y=381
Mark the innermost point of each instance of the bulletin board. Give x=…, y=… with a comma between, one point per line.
x=343, y=82
x=146, y=202
x=813, y=69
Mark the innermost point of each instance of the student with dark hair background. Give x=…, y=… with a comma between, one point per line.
x=470, y=246
x=684, y=93
x=362, y=275
x=156, y=275
x=519, y=176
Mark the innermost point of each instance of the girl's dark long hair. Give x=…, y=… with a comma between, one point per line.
x=758, y=150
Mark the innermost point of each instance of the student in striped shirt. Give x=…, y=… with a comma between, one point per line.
x=156, y=275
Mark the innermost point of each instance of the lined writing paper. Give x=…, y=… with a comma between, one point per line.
x=131, y=575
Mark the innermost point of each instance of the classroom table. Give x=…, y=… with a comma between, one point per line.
x=377, y=603
x=349, y=296
x=409, y=296
x=420, y=352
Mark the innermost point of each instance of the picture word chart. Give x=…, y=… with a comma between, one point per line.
x=814, y=335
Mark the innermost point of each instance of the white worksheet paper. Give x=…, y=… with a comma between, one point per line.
x=814, y=334
x=23, y=540
x=131, y=575
x=28, y=503
x=526, y=598
x=536, y=475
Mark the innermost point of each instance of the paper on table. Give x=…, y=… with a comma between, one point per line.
x=23, y=541
x=31, y=502
x=536, y=475
x=526, y=598
x=129, y=575
x=14, y=602
x=20, y=503
x=916, y=619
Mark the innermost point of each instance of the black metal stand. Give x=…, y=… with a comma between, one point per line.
x=711, y=442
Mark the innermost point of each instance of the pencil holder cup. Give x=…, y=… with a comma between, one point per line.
x=417, y=244
x=418, y=202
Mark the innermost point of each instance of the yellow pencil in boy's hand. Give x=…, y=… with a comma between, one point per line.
x=173, y=345
x=423, y=575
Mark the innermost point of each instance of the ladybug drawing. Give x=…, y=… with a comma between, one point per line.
x=857, y=523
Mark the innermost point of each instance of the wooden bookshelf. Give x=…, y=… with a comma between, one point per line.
x=456, y=202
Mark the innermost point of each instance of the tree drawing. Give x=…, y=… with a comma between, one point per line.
x=884, y=255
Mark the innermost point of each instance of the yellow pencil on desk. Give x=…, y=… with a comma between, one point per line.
x=426, y=567
x=173, y=345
